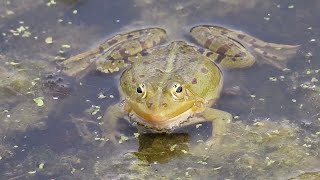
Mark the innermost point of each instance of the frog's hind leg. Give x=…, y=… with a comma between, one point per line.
x=274, y=54
x=213, y=36
x=114, y=53
x=224, y=51
x=128, y=51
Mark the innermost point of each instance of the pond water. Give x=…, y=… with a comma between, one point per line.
x=51, y=124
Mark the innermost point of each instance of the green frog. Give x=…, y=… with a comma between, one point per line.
x=165, y=87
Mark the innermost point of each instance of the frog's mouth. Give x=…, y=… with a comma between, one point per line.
x=160, y=126
x=164, y=113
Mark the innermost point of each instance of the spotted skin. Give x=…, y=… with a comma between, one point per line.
x=235, y=49
x=169, y=86
x=169, y=65
x=114, y=53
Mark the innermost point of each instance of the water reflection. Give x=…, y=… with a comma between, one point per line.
x=161, y=148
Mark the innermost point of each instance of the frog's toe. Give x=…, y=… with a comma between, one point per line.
x=110, y=66
x=110, y=137
x=276, y=54
x=214, y=141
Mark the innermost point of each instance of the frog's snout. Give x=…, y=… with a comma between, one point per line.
x=156, y=105
x=158, y=101
x=164, y=105
x=149, y=104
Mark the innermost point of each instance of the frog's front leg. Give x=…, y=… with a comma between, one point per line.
x=230, y=48
x=219, y=120
x=110, y=119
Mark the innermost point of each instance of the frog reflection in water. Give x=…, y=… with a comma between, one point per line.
x=170, y=86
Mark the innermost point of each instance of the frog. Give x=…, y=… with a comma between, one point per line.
x=165, y=85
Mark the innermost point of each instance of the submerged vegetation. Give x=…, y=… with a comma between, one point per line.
x=276, y=129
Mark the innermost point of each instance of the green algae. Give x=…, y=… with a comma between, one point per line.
x=262, y=150
x=18, y=90
x=307, y=176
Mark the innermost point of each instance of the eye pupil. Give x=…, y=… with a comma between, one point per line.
x=139, y=90
x=179, y=89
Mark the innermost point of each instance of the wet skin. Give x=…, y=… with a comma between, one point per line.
x=165, y=87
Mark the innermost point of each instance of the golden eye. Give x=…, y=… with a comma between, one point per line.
x=141, y=90
x=176, y=91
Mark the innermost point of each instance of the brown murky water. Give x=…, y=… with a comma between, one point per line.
x=276, y=128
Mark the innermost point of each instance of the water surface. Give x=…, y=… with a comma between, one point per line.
x=274, y=135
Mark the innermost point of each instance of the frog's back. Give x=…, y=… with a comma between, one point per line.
x=180, y=62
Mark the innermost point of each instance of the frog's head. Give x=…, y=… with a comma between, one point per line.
x=157, y=101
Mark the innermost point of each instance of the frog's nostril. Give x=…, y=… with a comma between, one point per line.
x=164, y=105
x=149, y=104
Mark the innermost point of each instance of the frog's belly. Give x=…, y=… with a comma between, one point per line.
x=161, y=127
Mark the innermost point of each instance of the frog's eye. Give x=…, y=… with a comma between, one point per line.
x=176, y=91
x=141, y=90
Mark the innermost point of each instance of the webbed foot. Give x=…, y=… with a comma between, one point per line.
x=110, y=137
x=214, y=141
x=236, y=49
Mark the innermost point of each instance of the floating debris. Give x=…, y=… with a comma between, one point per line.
x=101, y=96
x=308, y=55
x=173, y=147
x=49, y=40
x=9, y=12
x=136, y=135
x=273, y=79
x=314, y=79
x=291, y=6
x=66, y=46
x=51, y=2
x=198, y=125
x=123, y=138
x=41, y=166
x=39, y=101
x=252, y=96
x=22, y=31
x=32, y=172
x=94, y=110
